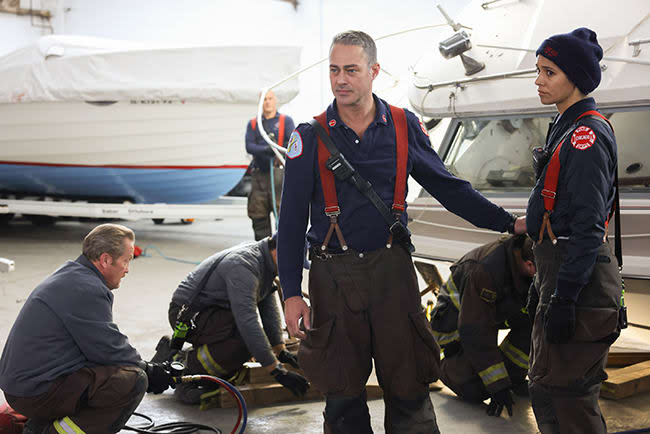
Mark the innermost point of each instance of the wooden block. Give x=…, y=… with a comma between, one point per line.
x=260, y=388
x=258, y=375
x=256, y=395
x=266, y=394
x=626, y=358
x=627, y=381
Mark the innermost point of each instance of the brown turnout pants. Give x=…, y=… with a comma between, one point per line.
x=565, y=378
x=217, y=347
x=97, y=400
x=367, y=307
x=458, y=374
x=260, y=201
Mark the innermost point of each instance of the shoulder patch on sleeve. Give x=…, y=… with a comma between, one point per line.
x=294, y=148
x=583, y=137
x=488, y=295
x=424, y=129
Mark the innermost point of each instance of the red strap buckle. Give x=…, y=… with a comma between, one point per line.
x=332, y=211
x=548, y=193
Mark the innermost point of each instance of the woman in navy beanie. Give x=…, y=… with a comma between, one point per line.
x=577, y=290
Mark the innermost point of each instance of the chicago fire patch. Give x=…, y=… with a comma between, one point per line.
x=294, y=147
x=583, y=137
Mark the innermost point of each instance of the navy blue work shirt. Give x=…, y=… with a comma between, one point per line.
x=584, y=196
x=374, y=158
x=257, y=146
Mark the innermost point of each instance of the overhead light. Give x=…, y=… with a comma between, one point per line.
x=456, y=45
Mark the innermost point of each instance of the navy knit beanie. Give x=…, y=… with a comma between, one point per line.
x=577, y=54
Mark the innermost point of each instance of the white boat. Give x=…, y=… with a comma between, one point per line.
x=102, y=120
x=493, y=118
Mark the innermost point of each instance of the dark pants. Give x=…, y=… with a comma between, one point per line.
x=260, y=200
x=459, y=375
x=366, y=308
x=95, y=400
x=565, y=378
x=217, y=347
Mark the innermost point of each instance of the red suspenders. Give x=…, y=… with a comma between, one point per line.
x=332, y=209
x=280, y=128
x=281, y=131
x=550, y=183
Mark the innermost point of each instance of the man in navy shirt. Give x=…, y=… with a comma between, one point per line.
x=261, y=199
x=364, y=294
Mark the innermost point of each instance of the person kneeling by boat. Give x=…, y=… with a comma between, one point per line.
x=228, y=309
x=65, y=365
x=486, y=292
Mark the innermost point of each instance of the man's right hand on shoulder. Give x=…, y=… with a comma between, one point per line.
x=295, y=308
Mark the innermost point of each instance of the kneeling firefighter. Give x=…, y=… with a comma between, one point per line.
x=486, y=292
x=227, y=310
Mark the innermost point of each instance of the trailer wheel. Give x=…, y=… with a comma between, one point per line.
x=158, y=221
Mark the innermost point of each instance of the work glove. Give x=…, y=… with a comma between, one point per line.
x=296, y=383
x=159, y=377
x=500, y=399
x=287, y=357
x=560, y=320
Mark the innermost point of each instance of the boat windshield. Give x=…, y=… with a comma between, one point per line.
x=495, y=154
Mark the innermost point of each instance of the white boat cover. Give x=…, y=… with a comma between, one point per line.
x=75, y=68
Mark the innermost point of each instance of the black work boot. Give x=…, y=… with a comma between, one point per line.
x=344, y=415
x=410, y=416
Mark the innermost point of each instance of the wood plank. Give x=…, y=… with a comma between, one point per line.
x=626, y=358
x=260, y=388
x=258, y=375
x=257, y=395
x=627, y=381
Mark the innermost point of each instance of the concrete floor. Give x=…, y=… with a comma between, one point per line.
x=140, y=311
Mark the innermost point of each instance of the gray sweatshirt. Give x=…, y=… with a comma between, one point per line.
x=241, y=281
x=65, y=325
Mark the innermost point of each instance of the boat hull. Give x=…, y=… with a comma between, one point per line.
x=144, y=151
x=117, y=184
